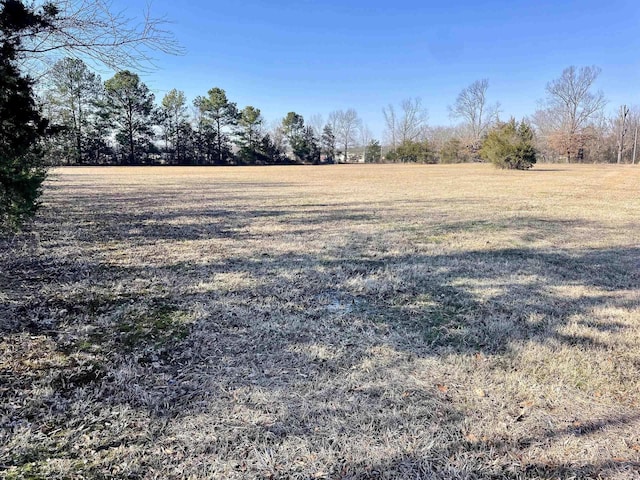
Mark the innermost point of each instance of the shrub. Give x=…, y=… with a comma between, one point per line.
x=510, y=145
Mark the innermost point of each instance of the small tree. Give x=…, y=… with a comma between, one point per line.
x=510, y=145
x=328, y=142
x=452, y=151
x=414, y=152
x=345, y=125
x=312, y=147
x=270, y=152
x=373, y=152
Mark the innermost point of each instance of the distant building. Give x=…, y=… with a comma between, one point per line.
x=352, y=158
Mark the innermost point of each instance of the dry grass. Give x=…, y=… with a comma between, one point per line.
x=354, y=322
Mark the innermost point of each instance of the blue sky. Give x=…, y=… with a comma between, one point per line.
x=314, y=57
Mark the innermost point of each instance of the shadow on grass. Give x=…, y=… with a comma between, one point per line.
x=255, y=336
x=423, y=469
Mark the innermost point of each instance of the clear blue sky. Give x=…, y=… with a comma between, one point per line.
x=317, y=56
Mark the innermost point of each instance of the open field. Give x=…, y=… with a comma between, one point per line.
x=348, y=321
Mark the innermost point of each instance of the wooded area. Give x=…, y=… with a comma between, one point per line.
x=120, y=121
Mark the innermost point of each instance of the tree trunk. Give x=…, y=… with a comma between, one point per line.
x=635, y=146
x=78, y=146
x=619, y=153
x=219, y=142
x=131, y=145
x=624, y=111
x=130, y=128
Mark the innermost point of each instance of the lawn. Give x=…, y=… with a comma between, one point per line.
x=347, y=321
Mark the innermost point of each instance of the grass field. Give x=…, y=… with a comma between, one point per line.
x=348, y=321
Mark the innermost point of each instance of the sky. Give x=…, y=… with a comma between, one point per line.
x=313, y=57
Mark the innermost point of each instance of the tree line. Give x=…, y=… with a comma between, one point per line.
x=119, y=122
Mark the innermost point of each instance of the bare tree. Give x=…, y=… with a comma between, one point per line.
x=276, y=132
x=409, y=125
x=634, y=126
x=333, y=120
x=570, y=106
x=472, y=107
x=389, y=113
x=365, y=137
x=316, y=122
x=365, y=134
x=345, y=126
x=412, y=123
x=622, y=124
x=91, y=30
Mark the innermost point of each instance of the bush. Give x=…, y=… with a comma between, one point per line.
x=510, y=145
x=414, y=152
x=454, y=151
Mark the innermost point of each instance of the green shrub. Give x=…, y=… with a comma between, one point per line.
x=510, y=145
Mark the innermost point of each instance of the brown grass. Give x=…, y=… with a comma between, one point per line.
x=353, y=322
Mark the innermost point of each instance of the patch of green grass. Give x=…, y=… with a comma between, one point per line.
x=159, y=326
x=28, y=471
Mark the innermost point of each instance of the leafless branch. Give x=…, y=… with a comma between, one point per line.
x=94, y=31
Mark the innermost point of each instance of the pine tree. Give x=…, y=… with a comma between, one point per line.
x=172, y=115
x=249, y=122
x=293, y=127
x=129, y=103
x=72, y=98
x=221, y=114
x=328, y=144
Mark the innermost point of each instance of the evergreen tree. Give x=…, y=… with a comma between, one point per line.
x=204, y=135
x=414, y=152
x=72, y=97
x=249, y=123
x=129, y=104
x=21, y=125
x=221, y=115
x=452, y=151
x=270, y=152
x=328, y=144
x=510, y=145
x=311, y=147
x=373, y=152
x=172, y=117
x=293, y=127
